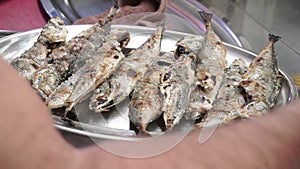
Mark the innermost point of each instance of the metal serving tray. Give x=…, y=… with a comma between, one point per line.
x=115, y=124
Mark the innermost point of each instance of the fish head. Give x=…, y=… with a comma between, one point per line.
x=120, y=35
x=191, y=45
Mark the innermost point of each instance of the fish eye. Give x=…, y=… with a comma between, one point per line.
x=166, y=76
x=180, y=50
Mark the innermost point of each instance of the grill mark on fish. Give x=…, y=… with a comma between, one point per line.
x=210, y=70
x=230, y=98
x=176, y=89
x=94, y=72
x=53, y=34
x=146, y=101
x=262, y=82
x=83, y=45
x=74, y=54
x=122, y=82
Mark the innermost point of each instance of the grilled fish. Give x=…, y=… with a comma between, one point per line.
x=132, y=68
x=146, y=99
x=48, y=78
x=69, y=57
x=230, y=98
x=211, y=65
x=94, y=72
x=176, y=87
x=262, y=81
x=52, y=35
x=192, y=46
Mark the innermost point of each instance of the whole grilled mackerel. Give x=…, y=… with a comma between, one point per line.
x=262, y=81
x=210, y=70
x=82, y=46
x=132, y=68
x=146, y=99
x=176, y=87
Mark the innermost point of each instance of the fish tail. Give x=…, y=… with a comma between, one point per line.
x=207, y=17
x=161, y=27
x=114, y=9
x=156, y=37
x=163, y=23
x=143, y=132
x=273, y=38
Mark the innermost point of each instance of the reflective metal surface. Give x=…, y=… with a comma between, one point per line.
x=116, y=124
x=4, y=33
x=70, y=10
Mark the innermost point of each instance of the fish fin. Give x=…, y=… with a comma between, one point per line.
x=144, y=133
x=273, y=38
x=112, y=12
x=115, y=8
x=207, y=17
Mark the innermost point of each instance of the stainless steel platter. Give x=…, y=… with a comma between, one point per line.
x=71, y=10
x=4, y=33
x=115, y=124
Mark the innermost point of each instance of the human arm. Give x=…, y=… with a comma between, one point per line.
x=27, y=136
x=271, y=142
x=29, y=140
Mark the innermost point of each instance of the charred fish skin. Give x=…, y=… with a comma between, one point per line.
x=262, y=82
x=53, y=34
x=146, y=99
x=94, y=72
x=100, y=35
x=86, y=79
x=132, y=68
x=67, y=58
x=211, y=65
x=48, y=78
x=213, y=59
x=192, y=46
x=176, y=87
x=230, y=98
x=58, y=97
x=64, y=58
x=45, y=81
